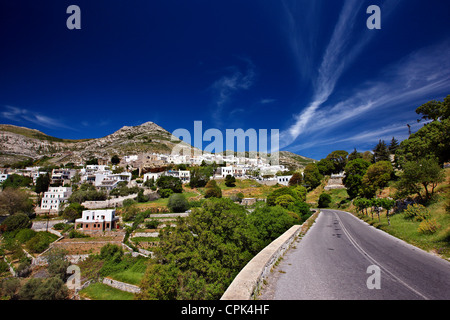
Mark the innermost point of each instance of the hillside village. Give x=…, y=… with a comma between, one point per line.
x=102, y=220
x=128, y=222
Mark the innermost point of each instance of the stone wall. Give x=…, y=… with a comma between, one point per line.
x=121, y=285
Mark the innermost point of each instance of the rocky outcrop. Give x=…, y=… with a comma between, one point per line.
x=30, y=143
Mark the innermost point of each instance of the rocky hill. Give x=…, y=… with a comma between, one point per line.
x=19, y=143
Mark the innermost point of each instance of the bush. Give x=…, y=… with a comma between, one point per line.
x=428, y=226
x=24, y=235
x=301, y=209
x=152, y=224
x=17, y=221
x=40, y=242
x=271, y=198
x=172, y=183
x=178, y=203
x=417, y=212
x=165, y=193
x=230, y=181
x=324, y=200
x=271, y=222
x=75, y=234
x=38, y=289
x=284, y=200
x=213, y=190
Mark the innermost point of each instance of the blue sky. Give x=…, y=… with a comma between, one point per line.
x=309, y=68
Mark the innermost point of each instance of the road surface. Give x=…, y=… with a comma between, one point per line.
x=343, y=258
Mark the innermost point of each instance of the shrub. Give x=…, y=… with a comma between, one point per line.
x=59, y=226
x=428, y=226
x=24, y=235
x=271, y=198
x=39, y=242
x=213, y=190
x=75, y=234
x=165, y=193
x=284, y=200
x=152, y=224
x=324, y=200
x=416, y=212
x=17, y=221
x=178, y=203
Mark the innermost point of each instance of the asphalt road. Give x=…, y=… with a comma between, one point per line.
x=343, y=258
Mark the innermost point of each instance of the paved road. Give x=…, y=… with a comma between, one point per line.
x=331, y=263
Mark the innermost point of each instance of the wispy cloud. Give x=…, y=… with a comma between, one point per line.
x=25, y=116
x=267, y=101
x=336, y=58
x=423, y=73
x=230, y=84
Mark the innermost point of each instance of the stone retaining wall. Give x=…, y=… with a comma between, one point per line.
x=121, y=285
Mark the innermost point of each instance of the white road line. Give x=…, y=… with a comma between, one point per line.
x=374, y=261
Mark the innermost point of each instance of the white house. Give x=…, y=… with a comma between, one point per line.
x=151, y=175
x=224, y=171
x=284, y=180
x=62, y=176
x=3, y=177
x=183, y=175
x=54, y=197
x=97, y=220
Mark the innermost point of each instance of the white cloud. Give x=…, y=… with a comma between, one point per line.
x=21, y=115
x=228, y=85
x=334, y=62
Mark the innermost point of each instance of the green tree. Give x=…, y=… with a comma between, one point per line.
x=272, y=197
x=324, y=200
x=381, y=152
x=354, y=172
x=213, y=190
x=200, y=176
x=115, y=159
x=202, y=254
x=17, y=221
x=296, y=179
x=57, y=263
x=339, y=159
x=433, y=140
x=418, y=176
x=178, y=203
x=284, y=201
x=73, y=211
x=393, y=146
x=376, y=178
x=354, y=155
x=169, y=182
x=16, y=181
x=311, y=176
x=271, y=222
x=39, y=289
x=230, y=181
x=42, y=183
x=326, y=166
x=15, y=200
x=435, y=110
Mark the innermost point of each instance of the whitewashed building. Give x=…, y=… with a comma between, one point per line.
x=284, y=180
x=97, y=220
x=54, y=197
